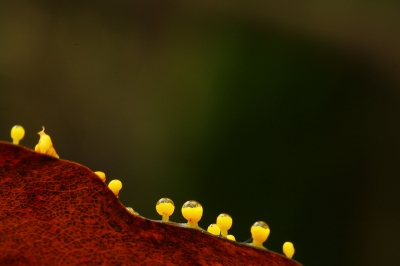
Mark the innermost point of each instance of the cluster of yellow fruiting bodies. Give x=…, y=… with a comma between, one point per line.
x=192, y=211
x=224, y=223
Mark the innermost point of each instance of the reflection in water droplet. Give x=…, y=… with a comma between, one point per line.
x=259, y=232
x=192, y=212
x=165, y=207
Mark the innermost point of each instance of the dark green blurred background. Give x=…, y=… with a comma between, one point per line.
x=287, y=113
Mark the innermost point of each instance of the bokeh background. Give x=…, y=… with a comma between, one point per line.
x=286, y=112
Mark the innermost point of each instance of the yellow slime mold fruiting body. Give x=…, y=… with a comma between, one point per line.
x=17, y=133
x=101, y=175
x=115, y=186
x=288, y=249
x=165, y=207
x=214, y=229
x=45, y=145
x=192, y=212
x=259, y=232
x=224, y=222
x=231, y=237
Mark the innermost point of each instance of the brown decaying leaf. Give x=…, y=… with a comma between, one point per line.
x=57, y=212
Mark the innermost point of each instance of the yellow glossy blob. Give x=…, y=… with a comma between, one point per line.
x=115, y=186
x=288, y=249
x=231, y=237
x=131, y=211
x=17, y=133
x=192, y=212
x=102, y=175
x=214, y=229
x=259, y=232
x=165, y=207
x=45, y=145
x=224, y=222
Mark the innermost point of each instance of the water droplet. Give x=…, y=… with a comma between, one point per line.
x=165, y=207
x=192, y=212
x=259, y=232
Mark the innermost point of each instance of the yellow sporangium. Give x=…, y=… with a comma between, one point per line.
x=231, y=237
x=192, y=212
x=288, y=249
x=45, y=145
x=259, y=232
x=224, y=222
x=17, y=133
x=115, y=186
x=214, y=229
x=165, y=207
x=101, y=175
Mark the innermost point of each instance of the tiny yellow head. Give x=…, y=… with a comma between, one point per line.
x=115, y=186
x=192, y=212
x=214, y=229
x=288, y=249
x=259, y=232
x=165, y=207
x=17, y=133
x=224, y=222
x=231, y=237
x=101, y=175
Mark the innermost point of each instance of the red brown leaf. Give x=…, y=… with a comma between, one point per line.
x=57, y=212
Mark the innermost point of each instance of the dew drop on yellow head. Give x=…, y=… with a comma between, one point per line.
x=17, y=133
x=165, y=207
x=192, y=212
x=259, y=232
